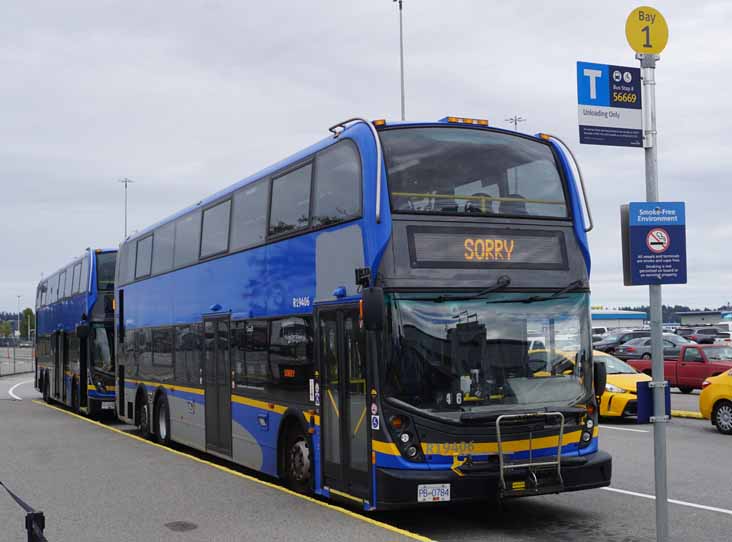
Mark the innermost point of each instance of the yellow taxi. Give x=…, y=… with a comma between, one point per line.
x=715, y=401
x=620, y=398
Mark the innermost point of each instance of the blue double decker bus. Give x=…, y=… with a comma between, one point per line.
x=397, y=314
x=74, y=346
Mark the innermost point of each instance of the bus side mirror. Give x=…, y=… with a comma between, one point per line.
x=600, y=377
x=82, y=331
x=373, y=308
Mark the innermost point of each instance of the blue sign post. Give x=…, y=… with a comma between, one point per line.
x=654, y=243
x=609, y=109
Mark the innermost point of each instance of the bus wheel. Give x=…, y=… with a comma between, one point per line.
x=75, y=397
x=722, y=417
x=143, y=416
x=46, y=391
x=298, y=465
x=162, y=423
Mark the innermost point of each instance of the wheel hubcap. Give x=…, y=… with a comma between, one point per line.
x=724, y=417
x=300, y=460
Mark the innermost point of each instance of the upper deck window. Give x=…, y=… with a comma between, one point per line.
x=290, y=201
x=337, y=191
x=77, y=278
x=249, y=220
x=162, y=259
x=68, y=290
x=215, y=236
x=187, y=239
x=144, y=257
x=464, y=171
x=105, y=270
x=84, y=285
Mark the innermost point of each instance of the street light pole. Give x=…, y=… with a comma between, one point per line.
x=19, y=296
x=126, y=181
x=401, y=50
x=515, y=120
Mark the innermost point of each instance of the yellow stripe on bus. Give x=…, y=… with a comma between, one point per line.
x=279, y=409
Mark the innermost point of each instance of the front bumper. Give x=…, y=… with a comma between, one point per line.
x=398, y=487
x=618, y=404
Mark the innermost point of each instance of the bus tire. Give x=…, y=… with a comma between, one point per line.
x=46, y=390
x=142, y=414
x=75, y=396
x=298, y=463
x=162, y=420
x=722, y=417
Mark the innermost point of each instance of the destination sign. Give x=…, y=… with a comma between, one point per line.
x=486, y=247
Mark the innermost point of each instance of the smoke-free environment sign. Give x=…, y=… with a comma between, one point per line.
x=654, y=243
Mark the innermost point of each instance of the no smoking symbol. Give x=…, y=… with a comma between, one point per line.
x=658, y=240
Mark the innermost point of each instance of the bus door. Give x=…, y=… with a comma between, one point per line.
x=84, y=344
x=58, y=370
x=217, y=385
x=344, y=427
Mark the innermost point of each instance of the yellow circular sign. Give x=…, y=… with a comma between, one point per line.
x=646, y=30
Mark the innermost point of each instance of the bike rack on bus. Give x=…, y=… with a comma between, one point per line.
x=379, y=156
x=579, y=174
x=531, y=465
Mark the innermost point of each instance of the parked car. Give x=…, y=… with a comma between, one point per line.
x=700, y=334
x=715, y=401
x=600, y=330
x=641, y=347
x=620, y=398
x=610, y=342
x=723, y=338
x=725, y=325
x=693, y=366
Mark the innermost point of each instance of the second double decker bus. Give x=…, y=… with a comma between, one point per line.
x=75, y=333
x=398, y=314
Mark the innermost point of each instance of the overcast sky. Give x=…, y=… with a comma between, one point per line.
x=188, y=97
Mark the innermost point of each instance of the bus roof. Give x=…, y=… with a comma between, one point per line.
x=302, y=154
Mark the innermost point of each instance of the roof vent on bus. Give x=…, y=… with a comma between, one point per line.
x=215, y=307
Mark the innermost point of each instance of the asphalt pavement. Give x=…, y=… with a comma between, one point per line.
x=94, y=484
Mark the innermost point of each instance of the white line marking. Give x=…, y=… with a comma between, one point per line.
x=10, y=391
x=673, y=501
x=624, y=429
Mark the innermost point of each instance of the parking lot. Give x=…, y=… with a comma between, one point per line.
x=158, y=487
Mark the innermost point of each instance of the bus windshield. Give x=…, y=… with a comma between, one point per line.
x=487, y=353
x=448, y=170
x=102, y=350
x=105, y=270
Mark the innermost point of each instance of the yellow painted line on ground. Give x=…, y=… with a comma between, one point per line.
x=345, y=511
x=687, y=414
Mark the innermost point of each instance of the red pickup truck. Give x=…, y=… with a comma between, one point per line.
x=695, y=363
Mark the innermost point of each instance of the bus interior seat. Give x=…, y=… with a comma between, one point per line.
x=513, y=207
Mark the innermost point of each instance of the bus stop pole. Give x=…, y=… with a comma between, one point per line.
x=660, y=416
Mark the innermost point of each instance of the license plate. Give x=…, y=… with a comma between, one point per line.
x=107, y=406
x=433, y=492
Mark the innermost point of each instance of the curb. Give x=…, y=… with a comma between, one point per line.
x=686, y=414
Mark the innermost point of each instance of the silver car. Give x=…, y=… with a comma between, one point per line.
x=640, y=348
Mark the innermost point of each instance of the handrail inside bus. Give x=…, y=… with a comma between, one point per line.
x=579, y=172
x=379, y=156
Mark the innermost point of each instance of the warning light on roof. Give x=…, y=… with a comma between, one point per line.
x=465, y=120
x=379, y=122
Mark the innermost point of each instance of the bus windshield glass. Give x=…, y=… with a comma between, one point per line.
x=102, y=348
x=105, y=270
x=487, y=354
x=464, y=171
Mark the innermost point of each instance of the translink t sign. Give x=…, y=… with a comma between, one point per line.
x=609, y=110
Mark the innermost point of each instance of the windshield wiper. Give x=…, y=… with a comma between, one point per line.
x=534, y=298
x=502, y=282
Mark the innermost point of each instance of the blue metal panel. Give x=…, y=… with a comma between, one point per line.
x=575, y=202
